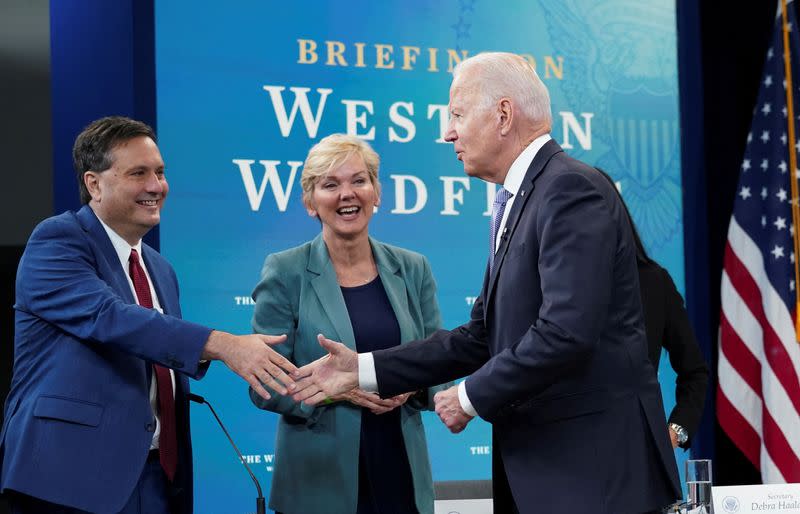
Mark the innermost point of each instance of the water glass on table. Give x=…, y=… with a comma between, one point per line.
x=698, y=483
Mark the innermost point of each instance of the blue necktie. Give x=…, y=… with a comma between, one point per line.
x=498, y=208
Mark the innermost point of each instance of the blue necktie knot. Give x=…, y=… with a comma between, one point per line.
x=502, y=196
x=498, y=208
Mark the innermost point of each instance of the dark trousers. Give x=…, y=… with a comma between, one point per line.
x=149, y=497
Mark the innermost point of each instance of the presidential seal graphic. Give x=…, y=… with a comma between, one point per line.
x=730, y=504
x=622, y=63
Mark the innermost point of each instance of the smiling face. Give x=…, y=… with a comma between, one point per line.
x=473, y=129
x=129, y=195
x=344, y=200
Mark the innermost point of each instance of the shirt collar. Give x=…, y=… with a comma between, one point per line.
x=516, y=174
x=121, y=246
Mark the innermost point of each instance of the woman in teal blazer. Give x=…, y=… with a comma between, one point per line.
x=358, y=453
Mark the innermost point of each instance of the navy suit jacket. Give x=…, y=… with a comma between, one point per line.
x=558, y=355
x=78, y=421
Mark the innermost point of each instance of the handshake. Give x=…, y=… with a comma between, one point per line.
x=331, y=378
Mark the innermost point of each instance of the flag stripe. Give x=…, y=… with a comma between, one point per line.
x=748, y=403
x=770, y=474
x=741, y=319
x=738, y=429
x=779, y=449
x=747, y=365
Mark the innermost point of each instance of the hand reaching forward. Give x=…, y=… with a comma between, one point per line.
x=449, y=410
x=250, y=357
x=372, y=401
x=327, y=377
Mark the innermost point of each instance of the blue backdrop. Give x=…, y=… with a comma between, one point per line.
x=243, y=92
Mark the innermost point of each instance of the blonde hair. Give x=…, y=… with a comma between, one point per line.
x=503, y=74
x=330, y=153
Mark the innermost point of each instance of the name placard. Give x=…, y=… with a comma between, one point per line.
x=476, y=506
x=744, y=499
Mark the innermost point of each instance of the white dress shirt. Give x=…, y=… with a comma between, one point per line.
x=367, y=378
x=123, y=250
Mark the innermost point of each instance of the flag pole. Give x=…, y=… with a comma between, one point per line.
x=787, y=65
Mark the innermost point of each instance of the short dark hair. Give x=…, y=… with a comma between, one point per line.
x=93, y=146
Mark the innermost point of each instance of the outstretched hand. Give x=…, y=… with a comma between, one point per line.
x=372, y=401
x=327, y=377
x=251, y=357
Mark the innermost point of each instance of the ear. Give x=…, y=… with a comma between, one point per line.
x=91, y=179
x=505, y=113
x=309, y=205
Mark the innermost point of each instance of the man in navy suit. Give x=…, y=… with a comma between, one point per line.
x=555, y=347
x=97, y=418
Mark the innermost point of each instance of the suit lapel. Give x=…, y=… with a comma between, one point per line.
x=537, y=166
x=119, y=278
x=395, y=286
x=323, y=281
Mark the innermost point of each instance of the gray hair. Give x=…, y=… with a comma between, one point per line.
x=503, y=74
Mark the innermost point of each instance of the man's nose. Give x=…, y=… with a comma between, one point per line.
x=155, y=183
x=450, y=134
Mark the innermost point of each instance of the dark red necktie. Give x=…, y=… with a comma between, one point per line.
x=168, y=441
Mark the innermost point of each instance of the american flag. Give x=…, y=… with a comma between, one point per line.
x=758, y=394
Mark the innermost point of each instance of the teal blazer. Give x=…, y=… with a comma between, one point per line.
x=316, y=453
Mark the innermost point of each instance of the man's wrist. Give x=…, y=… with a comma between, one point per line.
x=367, y=377
x=681, y=434
x=463, y=399
x=212, y=348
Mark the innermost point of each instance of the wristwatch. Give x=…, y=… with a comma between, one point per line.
x=681, y=432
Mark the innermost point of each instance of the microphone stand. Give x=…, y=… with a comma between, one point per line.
x=260, y=505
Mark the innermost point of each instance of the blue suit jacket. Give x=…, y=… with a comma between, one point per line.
x=78, y=422
x=558, y=355
x=316, y=467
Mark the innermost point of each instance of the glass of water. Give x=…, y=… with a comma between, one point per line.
x=698, y=482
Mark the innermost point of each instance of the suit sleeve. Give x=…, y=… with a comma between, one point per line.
x=441, y=357
x=58, y=281
x=577, y=244
x=431, y=321
x=275, y=313
x=687, y=361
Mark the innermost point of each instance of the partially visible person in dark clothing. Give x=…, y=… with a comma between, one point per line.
x=667, y=326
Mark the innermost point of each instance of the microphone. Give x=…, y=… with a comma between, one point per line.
x=260, y=505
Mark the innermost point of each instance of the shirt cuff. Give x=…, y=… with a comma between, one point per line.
x=463, y=399
x=367, y=379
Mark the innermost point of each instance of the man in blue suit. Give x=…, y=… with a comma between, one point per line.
x=97, y=418
x=555, y=347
